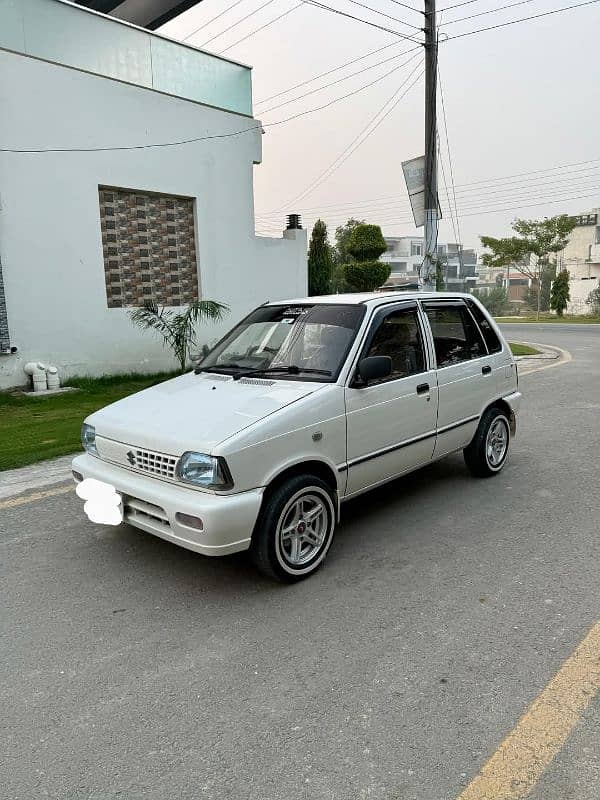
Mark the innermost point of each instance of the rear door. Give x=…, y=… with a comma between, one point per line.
x=391, y=423
x=466, y=382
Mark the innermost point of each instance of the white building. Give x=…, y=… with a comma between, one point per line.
x=87, y=232
x=581, y=257
x=405, y=257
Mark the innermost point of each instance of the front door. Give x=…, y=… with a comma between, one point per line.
x=391, y=423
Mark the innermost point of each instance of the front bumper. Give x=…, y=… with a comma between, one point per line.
x=151, y=504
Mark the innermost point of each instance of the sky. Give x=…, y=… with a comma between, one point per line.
x=518, y=99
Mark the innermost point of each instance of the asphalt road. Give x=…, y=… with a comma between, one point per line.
x=134, y=669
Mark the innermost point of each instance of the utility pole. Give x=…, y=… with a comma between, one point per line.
x=431, y=193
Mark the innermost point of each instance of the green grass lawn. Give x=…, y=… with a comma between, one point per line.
x=35, y=428
x=522, y=349
x=570, y=318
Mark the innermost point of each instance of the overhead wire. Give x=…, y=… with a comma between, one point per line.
x=210, y=21
x=235, y=24
x=355, y=143
x=262, y=27
x=359, y=19
x=521, y=19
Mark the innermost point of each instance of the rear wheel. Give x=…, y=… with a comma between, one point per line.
x=486, y=455
x=295, y=529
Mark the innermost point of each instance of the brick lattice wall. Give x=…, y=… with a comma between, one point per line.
x=4, y=337
x=149, y=248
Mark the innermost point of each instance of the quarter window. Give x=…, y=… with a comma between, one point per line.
x=399, y=337
x=489, y=334
x=455, y=335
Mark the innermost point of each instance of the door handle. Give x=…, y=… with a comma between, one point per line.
x=422, y=388
x=486, y=370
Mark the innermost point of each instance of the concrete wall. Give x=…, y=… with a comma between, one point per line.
x=50, y=238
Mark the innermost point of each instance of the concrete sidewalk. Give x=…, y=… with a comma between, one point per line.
x=548, y=357
x=46, y=473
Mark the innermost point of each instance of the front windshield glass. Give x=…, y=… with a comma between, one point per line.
x=309, y=339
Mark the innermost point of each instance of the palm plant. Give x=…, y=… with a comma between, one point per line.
x=177, y=328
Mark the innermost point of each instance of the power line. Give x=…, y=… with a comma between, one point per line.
x=358, y=19
x=262, y=27
x=210, y=21
x=449, y=155
x=487, y=181
x=340, y=80
x=336, y=69
x=491, y=11
x=354, y=144
x=457, y=5
x=404, y=5
x=522, y=19
x=383, y=14
x=235, y=24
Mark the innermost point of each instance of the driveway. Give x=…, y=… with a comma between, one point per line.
x=134, y=669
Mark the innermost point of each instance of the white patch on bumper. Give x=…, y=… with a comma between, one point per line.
x=103, y=502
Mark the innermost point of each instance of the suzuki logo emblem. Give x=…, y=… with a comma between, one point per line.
x=131, y=457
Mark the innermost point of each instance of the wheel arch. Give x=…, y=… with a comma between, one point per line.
x=510, y=414
x=316, y=467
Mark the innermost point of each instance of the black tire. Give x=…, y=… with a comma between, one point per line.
x=270, y=541
x=480, y=456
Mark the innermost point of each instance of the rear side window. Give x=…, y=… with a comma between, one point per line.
x=489, y=334
x=399, y=337
x=455, y=334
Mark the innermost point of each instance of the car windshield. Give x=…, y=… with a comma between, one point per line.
x=290, y=340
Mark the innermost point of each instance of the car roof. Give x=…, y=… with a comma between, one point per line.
x=367, y=298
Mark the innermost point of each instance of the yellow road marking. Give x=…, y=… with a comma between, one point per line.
x=519, y=762
x=31, y=498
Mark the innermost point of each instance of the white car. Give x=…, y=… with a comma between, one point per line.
x=304, y=404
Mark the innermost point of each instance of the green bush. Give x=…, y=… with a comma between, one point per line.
x=366, y=243
x=366, y=276
x=495, y=300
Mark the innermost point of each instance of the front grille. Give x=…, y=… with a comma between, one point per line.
x=154, y=463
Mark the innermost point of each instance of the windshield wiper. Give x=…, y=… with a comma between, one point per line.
x=292, y=369
x=217, y=367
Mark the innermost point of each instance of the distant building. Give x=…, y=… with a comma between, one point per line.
x=405, y=256
x=581, y=257
x=515, y=283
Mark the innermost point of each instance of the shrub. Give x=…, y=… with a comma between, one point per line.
x=495, y=300
x=366, y=276
x=366, y=243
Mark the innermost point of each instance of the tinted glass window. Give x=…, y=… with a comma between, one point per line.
x=455, y=335
x=399, y=337
x=489, y=334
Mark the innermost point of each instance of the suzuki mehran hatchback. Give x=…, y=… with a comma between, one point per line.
x=303, y=405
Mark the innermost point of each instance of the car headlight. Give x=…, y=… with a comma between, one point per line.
x=210, y=472
x=88, y=438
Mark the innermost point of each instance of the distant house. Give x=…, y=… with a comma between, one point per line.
x=113, y=211
x=581, y=257
x=405, y=257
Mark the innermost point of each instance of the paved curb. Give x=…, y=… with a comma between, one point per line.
x=549, y=356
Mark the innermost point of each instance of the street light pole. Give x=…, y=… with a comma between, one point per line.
x=431, y=193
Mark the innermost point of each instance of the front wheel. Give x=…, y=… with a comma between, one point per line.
x=295, y=529
x=486, y=455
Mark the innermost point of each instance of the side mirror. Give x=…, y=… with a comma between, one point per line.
x=374, y=368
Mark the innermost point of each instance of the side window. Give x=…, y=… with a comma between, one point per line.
x=489, y=334
x=455, y=335
x=399, y=337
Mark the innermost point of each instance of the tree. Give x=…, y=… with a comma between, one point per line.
x=495, y=300
x=342, y=238
x=560, y=294
x=593, y=301
x=529, y=250
x=177, y=328
x=319, y=260
x=366, y=272
x=548, y=273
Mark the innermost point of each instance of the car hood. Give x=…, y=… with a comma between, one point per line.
x=195, y=412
